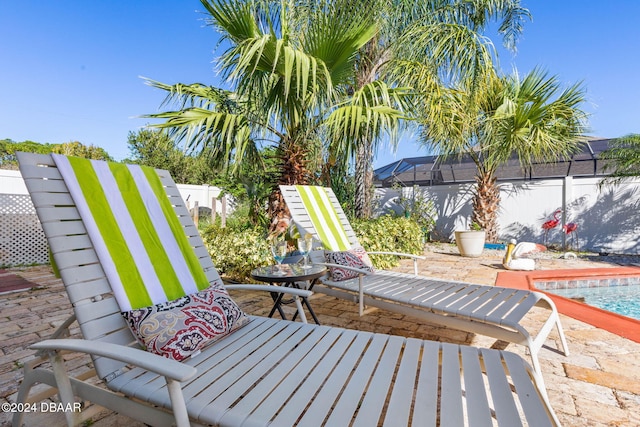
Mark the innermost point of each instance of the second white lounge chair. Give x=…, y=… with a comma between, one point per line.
x=488, y=310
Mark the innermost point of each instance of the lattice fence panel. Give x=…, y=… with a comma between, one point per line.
x=22, y=240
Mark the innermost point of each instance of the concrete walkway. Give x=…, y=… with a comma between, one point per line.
x=598, y=385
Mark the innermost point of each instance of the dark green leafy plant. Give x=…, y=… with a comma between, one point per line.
x=8, y=149
x=389, y=234
x=235, y=252
x=238, y=249
x=475, y=226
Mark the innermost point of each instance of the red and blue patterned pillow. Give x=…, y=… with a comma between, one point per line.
x=355, y=257
x=181, y=328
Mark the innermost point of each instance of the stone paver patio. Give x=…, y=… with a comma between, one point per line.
x=597, y=385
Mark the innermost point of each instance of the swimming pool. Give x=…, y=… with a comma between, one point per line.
x=608, y=298
x=619, y=295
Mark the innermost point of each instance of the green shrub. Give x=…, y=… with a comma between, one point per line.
x=389, y=234
x=235, y=252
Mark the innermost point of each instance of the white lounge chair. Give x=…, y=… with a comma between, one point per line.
x=487, y=310
x=267, y=372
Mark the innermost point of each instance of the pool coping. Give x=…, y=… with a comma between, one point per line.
x=620, y=325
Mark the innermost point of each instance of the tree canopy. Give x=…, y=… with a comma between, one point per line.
x=8, y=149
x=623, y=159
x=532, y=117
x=291, y=67
x=154, y=148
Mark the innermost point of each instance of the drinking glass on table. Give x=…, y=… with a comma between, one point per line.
x=304, y=247
x=279, y=251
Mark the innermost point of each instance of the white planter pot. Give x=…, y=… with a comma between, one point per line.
x=470, y=242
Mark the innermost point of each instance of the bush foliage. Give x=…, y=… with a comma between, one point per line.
x=235, y=252
x=238, y=249
x=389, y=234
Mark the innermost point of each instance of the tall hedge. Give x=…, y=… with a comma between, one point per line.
x=236, y=251
x=389, y=234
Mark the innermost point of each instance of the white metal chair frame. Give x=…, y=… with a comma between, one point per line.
x=488, y=310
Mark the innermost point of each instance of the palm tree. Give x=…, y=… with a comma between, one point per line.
x=305, y=78
x=623, y=159
x=531, y=118
x=290, y=64
x=443, y=34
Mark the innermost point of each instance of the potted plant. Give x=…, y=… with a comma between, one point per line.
x=471, y=242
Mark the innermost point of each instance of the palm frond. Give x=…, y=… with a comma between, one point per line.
x=536, y=119
x=225, y=136
x=196, y=95
x=622, y=159
x=234, y=19
x=372, y=111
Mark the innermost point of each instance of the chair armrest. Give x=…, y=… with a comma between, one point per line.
x=345, y=267
x=171, y=369
x=63, y=329
x=399, y=254
x=276, y=289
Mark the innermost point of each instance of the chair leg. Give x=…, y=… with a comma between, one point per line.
x=535, y=361
x=28, y=380
x=361, y=296
x=563, y=338
x=65, y=392
x=303, y=317
x=32, y=376
x=178, y=405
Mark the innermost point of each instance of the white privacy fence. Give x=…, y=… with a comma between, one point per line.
x=204, y=195
x=608, y=218
x=22, y=241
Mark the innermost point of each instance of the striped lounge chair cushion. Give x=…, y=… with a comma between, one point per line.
x=155, y=275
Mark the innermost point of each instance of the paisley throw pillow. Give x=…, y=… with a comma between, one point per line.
x=355, y=257
x=181, y=328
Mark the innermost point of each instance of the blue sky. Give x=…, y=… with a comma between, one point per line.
x=70, y=69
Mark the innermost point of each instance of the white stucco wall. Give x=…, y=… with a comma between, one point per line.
x=608, y=218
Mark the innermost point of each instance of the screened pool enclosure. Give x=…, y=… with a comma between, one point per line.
x=437, y=170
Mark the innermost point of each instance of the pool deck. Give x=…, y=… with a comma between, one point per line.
x=597, y=385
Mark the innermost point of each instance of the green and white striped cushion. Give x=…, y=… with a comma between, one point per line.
x=135, y=231
x=324, y=217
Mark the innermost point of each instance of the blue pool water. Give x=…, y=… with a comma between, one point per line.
x=620, y=296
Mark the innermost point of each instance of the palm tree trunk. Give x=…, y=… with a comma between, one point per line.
x=364, y=179
x=486, y=203
x=293, y=171
x=365, y=74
